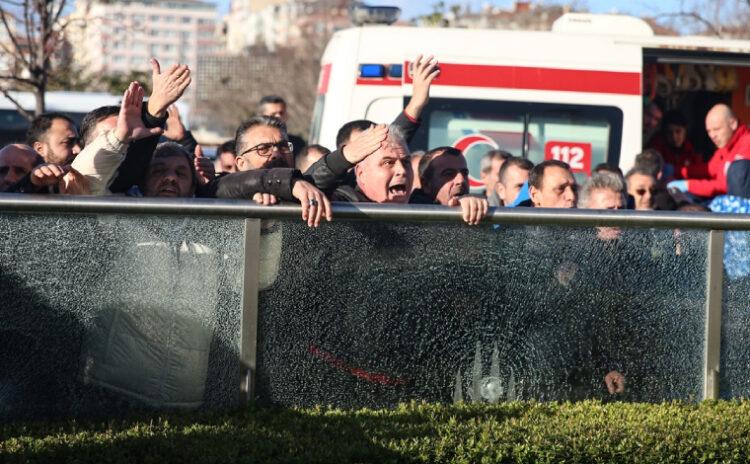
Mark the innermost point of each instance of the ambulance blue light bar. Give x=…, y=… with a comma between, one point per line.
x=396, y=70
x=371, y=70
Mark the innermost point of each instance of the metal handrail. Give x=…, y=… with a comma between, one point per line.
x=367, y=211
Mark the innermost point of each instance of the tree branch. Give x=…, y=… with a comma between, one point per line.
x=26, y=114
x=694, y=16
x=19, y=53
x=18, y=79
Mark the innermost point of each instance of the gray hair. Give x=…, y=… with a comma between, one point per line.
x=269, y=121
x=601, y=181
x=396, y=135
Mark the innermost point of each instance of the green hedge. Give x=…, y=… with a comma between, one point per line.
x=469, y=433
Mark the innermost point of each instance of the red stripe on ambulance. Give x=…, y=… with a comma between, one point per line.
x=532, y=78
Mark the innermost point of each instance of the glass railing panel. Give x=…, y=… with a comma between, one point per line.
x=735, y=333
x=371, y=314
x=105, y=315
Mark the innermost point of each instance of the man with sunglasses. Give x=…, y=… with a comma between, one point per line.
x=641, y=186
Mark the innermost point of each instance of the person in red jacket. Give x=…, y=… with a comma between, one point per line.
x=674, y=146
x=732, y=140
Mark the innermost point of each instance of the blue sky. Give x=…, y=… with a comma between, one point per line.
x=412, y=8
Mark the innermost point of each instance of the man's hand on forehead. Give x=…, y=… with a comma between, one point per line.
x=365, y=143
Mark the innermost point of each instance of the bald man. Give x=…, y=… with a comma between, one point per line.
x=16, y=161
x=732, y=140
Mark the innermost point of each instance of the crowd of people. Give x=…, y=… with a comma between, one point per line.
x=142, y=148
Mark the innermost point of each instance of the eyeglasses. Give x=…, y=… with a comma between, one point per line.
x=265, y=149
x=641, y=192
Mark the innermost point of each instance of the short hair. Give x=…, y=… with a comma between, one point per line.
x=397, y=135
x=269, y=121
x=641, y=170
x=174, y=149
x=517, y=161
x=675, y=118
x=227, y=147
x=345, y=132
x=425, y=163
x=486, y=162
x=601, y=181
x=41, y=124
x=650, y=160
x=606, y=167
x=92, y=118
x=270, y=99
x=536, y=175
x=317, y=147
x=275, y=99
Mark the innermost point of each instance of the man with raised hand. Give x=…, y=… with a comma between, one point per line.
x=333, y=169
x=167, y=88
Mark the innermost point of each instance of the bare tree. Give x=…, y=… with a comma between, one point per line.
x=34, y=30
x=720, y=18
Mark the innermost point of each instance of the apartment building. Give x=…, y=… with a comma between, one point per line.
x=282, y=23
x=120, y=36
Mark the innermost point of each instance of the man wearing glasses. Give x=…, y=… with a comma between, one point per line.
x=262, y=143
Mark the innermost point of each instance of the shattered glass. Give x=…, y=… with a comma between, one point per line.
x=107, y=315
x=372, y=314
x=735, y=320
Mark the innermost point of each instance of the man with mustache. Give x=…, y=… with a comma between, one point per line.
x=444, y=177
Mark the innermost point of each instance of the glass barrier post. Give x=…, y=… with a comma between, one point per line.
x=249, y=321
x=714, y=289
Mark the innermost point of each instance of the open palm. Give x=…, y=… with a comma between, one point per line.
x=129, y=122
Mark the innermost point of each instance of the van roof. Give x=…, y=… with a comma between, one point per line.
x=480, y=39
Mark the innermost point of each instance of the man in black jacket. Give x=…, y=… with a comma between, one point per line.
x=358, y=139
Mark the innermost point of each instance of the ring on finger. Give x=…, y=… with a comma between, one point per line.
x=312, y=202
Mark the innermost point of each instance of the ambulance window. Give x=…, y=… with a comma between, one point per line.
x=581, y=135
x=475, y=133
x=580, y=139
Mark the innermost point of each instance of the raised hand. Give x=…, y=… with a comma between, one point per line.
x=167, y=87
x=474, y=209
x=129, y=122
x=365, y=143
x=425, y=71
x=175, y=129
x=314, y=203
x=204, y=167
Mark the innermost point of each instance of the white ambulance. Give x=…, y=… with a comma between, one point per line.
x=576, y=93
